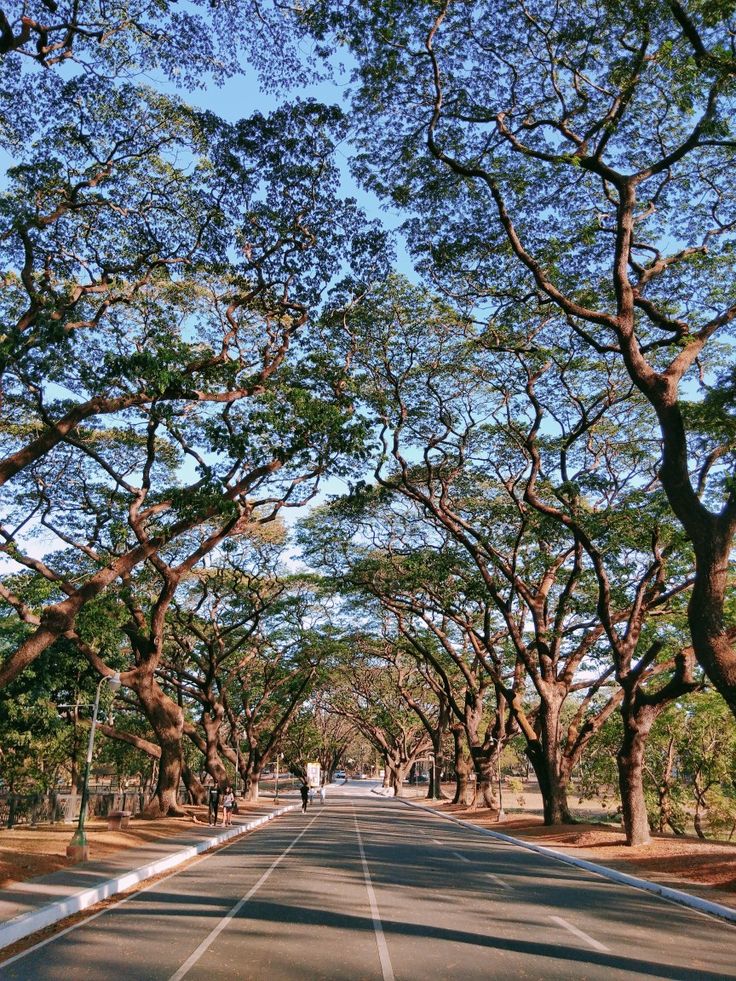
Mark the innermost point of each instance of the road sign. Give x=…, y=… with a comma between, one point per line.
x=313, y=773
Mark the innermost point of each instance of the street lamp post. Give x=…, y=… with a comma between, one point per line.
x=78, y=848
x=276, y=794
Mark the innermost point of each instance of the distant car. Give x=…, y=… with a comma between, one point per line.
x=339, y=774
x=423, y=778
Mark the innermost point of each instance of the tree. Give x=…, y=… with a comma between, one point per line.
x=269, y=416
x=189, y=46
x=367, y=696
x=214, y=634
x=317, y=734
x=586, y=155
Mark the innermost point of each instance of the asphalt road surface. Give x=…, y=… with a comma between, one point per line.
x=369, y=888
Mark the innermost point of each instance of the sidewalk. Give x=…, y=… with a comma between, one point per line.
x=33, y=905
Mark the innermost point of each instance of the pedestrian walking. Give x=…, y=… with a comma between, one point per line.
x=228, y=802
x=213, y=804
x=304, y=791
x=322, y=793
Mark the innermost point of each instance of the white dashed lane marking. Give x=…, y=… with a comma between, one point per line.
x=580, y=935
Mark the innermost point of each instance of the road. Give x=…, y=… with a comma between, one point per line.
x=364, y=888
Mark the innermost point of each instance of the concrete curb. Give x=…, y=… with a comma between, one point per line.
x=665, y=892
x=28, y=923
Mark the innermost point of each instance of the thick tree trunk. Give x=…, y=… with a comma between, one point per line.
x=399, y=776
x=543, y=753
x=481, y=754
x=167, y=721
x=712, y=643
x=212, y=759
x=551, y=785
x=712, y=539
x=252, y=785
x=638, y=720
x=485, y=795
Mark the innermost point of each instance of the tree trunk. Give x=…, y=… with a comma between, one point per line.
x=252, y=785
x=485, y=795
x=197, y=792
x=712, y=643
x=435, y=772
x=463, y=766
x=551, y=785
x=712, y=540
x=399, y=776
x=700, y=811
x=167, y=721
x=212, y=759
x=76, y=774
x=638, y=720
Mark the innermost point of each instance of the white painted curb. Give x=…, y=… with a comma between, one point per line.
x=674, y=895
x=27, y=923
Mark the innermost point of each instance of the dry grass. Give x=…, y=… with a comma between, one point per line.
x=29, y=852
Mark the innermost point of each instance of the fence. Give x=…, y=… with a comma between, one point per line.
x=28, y=809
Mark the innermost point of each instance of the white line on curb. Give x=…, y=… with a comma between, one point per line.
x=461, y=857
x=704, y=906
x=29, y=923
x=498, y=880
x=214, y=934
x=386, y=968
x=580, y=935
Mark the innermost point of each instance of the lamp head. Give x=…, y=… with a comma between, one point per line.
x=114, y=681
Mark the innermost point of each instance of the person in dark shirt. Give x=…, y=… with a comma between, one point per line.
x=213, y=802
x=304, y=791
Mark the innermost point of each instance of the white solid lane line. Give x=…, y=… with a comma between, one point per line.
x=461, y=857
x=386, y=968
x=498, y=880
x=582, y=936
x=207, y=942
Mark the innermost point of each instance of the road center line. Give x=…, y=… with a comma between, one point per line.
x=461, y=857
x=213, y=934
x=582, y=936
x=498, y=880
x=386, y=968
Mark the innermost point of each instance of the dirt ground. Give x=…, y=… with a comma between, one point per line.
x=703, y=868
x=29, y=852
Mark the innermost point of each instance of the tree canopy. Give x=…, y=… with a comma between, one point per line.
x=512, y=463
